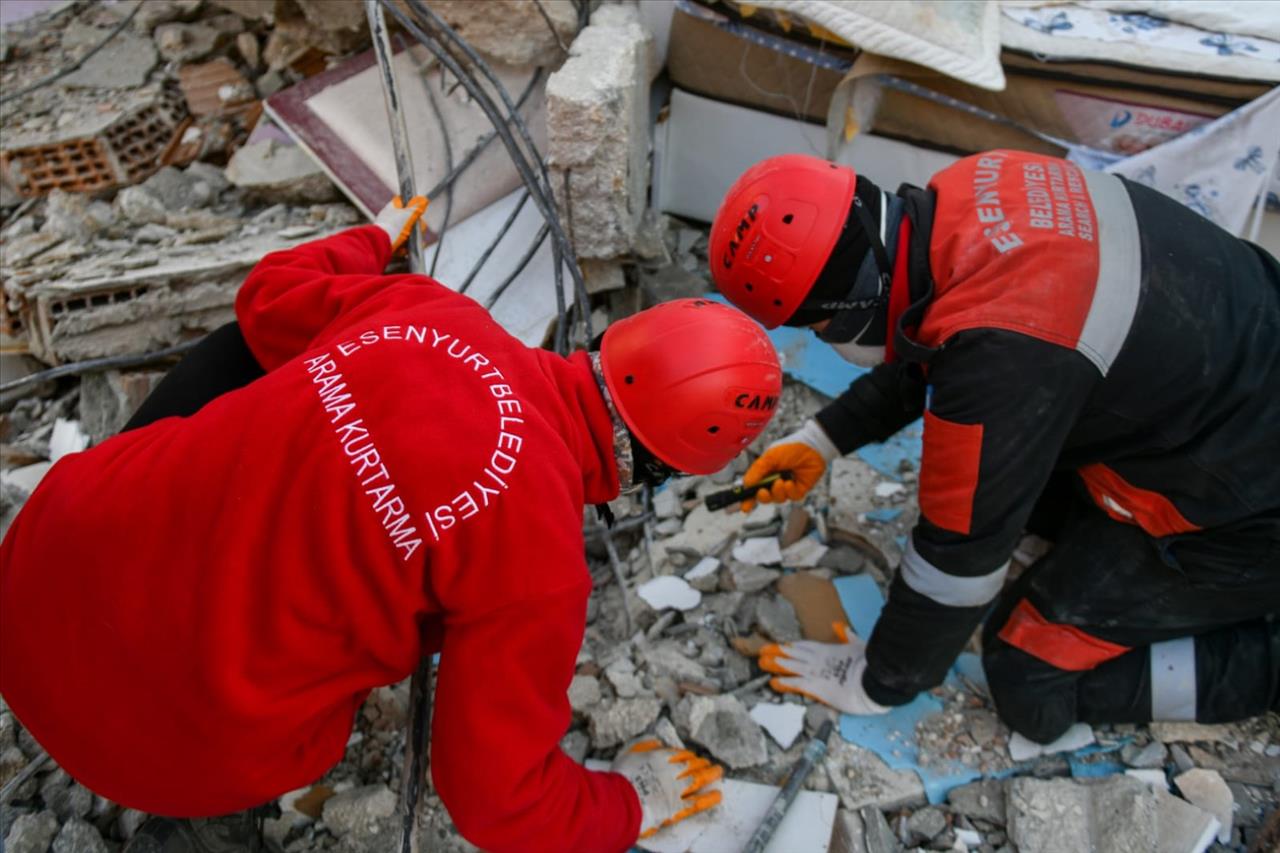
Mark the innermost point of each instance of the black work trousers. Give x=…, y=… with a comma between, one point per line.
x=1115, y=587
x=220, y=363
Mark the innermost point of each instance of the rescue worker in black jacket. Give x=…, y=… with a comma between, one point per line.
x=1094, y=363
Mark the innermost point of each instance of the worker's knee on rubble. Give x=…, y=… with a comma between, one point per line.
x=1036, y=700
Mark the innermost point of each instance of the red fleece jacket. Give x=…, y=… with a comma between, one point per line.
x=191, y=613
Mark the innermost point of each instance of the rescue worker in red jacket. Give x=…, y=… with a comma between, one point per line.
x=401, y=477
x=1093, y=362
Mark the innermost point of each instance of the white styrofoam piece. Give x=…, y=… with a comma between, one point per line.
x=1021, y=749
x=887, y=489
x=704, y=567
x=669, y=591
x=782, y=720
x=760, y=551
x=355, y=111
x=970, y=838
x=728, y=827
x=67, y=438
x=527, y=308
x=1154, y=778
x=703, y=145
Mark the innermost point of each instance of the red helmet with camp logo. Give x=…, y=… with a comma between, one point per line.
x=775, y=231
x=694, y=380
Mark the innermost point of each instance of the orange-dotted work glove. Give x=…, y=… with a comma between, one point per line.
x=398, y=219
x=805, y=453
x=828, y=672
x=672, y=784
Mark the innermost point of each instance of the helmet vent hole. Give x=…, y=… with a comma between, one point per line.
x=777, y=302
x=630, y=379
x=713, y=429
x=750, y=287
x=786, y=220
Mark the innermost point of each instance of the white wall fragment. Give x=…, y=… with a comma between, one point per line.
x=782, y=720
x=67, y=437
x=669, y=592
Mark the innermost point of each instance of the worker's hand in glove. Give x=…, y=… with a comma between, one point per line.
x=672, y=784
x=828, y=672
x=805, y=453
x=398, y=219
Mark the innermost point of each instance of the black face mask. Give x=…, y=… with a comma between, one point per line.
x=852, y=291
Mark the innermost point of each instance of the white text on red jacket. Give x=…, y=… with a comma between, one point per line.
x=370, y=469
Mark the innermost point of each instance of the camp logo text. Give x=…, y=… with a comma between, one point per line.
x=743, y=227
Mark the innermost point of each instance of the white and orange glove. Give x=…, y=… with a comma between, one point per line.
x=398, y=219
x=672, y=784
x=828, y=672
x=805, y=453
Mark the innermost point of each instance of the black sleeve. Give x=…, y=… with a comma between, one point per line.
x=1001, y=406
x=875, y=406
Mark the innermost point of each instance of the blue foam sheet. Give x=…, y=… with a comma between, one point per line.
x=892, y=736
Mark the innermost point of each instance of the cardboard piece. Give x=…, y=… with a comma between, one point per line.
x=816, y=602
x=765, y=72
x=727, y=827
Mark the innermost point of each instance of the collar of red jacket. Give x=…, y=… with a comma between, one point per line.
x=595, y=428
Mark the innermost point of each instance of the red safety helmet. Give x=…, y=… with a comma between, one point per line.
x=775, y=230
x=694, y=380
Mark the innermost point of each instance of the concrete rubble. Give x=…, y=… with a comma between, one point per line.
x=151, y=255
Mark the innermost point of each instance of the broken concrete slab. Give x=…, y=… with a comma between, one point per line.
x=804, y=553
x=748, y=577
x=32, y=833
x=186, y=42
x=271, y=171
x=1186, y=732
x=1153, y=754
x=613, y=724
x=515, y=35
x=706, y=531
x=782, y=720
x=1183, y=828
x=621, y=675
x=925, y=824
x=1116, y=814
x=584, y=693
x=983, y=800
x=668, y=659
x=776, y=619
x=124, y=62
x=669, y=592
x=139, y=206
x=1207, y=789
x=357, y=812
x=723, y=726
x=598, y=134
x=862, y=779
x=79, y=836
